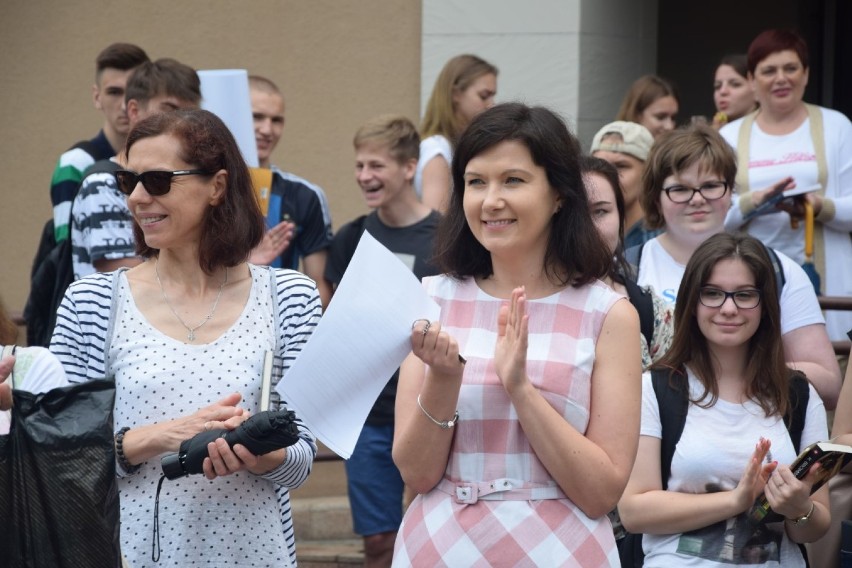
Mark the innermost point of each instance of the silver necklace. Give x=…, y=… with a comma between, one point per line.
x=208, y=317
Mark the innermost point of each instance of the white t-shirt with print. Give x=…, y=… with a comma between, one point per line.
x=711, y=455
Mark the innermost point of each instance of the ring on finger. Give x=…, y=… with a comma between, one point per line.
x=426, y=328
x=414, y=323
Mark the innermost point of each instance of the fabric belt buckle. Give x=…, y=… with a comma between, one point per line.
x=467, y=494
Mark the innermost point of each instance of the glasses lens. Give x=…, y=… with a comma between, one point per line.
x=126, y=181
x=679, y=193
x=156, y=182
x=713, y=190
x=747, y=299
x=712, y=298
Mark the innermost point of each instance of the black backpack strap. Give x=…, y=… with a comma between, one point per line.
x=799, y=396
x=673, y=404
x=644, y=304
x=780, y=279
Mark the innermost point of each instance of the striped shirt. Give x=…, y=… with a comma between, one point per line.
x=159, y=379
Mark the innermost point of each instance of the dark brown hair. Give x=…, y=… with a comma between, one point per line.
x=766, y=377
x=575, y=252
x=772, y=41
x=592, y=165
x=234, y=226
x=676, y=151
x=737, y=61
x=121, y=56
x=163, y=77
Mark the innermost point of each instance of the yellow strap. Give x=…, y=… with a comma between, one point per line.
x=261, y=180
x=818, y=140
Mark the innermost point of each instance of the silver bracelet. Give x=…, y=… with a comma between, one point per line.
x=444, y=425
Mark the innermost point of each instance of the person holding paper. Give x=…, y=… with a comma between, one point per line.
x=727, y=364
x=687, y=191
x=185, y=336
x=519, y=453
x=386, y=150
x=789, y=146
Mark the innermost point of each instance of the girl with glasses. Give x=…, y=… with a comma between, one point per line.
x=185, y=335
x=687, y=192
x=727, y=360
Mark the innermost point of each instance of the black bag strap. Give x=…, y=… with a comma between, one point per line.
x=800, y=393
x=673, y=404
x=780, y=279
x=644, y=304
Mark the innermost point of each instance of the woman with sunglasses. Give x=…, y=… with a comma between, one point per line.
x=687, y=191
x=184, y=334
x=727, y=361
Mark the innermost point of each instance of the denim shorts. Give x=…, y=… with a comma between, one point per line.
x=375, y=485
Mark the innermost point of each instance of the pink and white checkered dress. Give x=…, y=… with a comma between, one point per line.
x=497, y=505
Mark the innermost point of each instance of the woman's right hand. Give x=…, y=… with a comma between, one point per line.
x=438, y=349
x=758, y=197
x=222, y=414
x=754, y=477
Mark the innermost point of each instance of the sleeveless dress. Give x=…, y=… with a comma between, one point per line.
x=497, y=505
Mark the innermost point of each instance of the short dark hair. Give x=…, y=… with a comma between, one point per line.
x=163, y=77
x=676, y=151
x=737, y=61
x=642, y=94
x=768, y=42
x=121, y=56
x=575, y=252
x=766, y=374
x=593, y=165
x=233, y=227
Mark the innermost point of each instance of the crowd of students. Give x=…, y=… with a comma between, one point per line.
x=528, y=420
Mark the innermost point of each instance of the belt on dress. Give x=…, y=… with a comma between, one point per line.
x=469, y=492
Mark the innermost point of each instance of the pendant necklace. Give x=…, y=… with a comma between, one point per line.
x=208, y=317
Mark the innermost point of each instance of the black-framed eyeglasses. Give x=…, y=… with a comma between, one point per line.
x=710, y=191
x=745, y=299
x=156, y=182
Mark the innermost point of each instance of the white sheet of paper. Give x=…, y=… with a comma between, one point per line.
x=225, y=93
x=361, y=339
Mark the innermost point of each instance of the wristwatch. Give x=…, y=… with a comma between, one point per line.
x=800, y=521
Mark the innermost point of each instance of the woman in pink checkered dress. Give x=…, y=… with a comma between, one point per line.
x=547, y=401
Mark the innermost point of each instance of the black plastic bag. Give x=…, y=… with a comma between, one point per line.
x=58, y=492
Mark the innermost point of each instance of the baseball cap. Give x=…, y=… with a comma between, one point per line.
x=636, y=139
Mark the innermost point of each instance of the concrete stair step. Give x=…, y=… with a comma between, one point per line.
x=344, y=553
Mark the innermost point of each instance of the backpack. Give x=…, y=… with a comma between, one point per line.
x=52, y=273
x=673, y=404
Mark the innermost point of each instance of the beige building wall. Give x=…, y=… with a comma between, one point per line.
x=338, y=62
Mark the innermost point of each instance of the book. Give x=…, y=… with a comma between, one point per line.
x=831, y=457
x=768, y=206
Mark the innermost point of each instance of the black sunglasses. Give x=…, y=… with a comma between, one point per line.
x=156, y=182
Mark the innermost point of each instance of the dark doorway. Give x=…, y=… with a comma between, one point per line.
x=693, y=37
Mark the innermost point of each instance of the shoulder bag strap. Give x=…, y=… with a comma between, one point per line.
x=113, y=310
x=743, y=143
x=818, y=140
x=269, y=356
x=673, y=404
